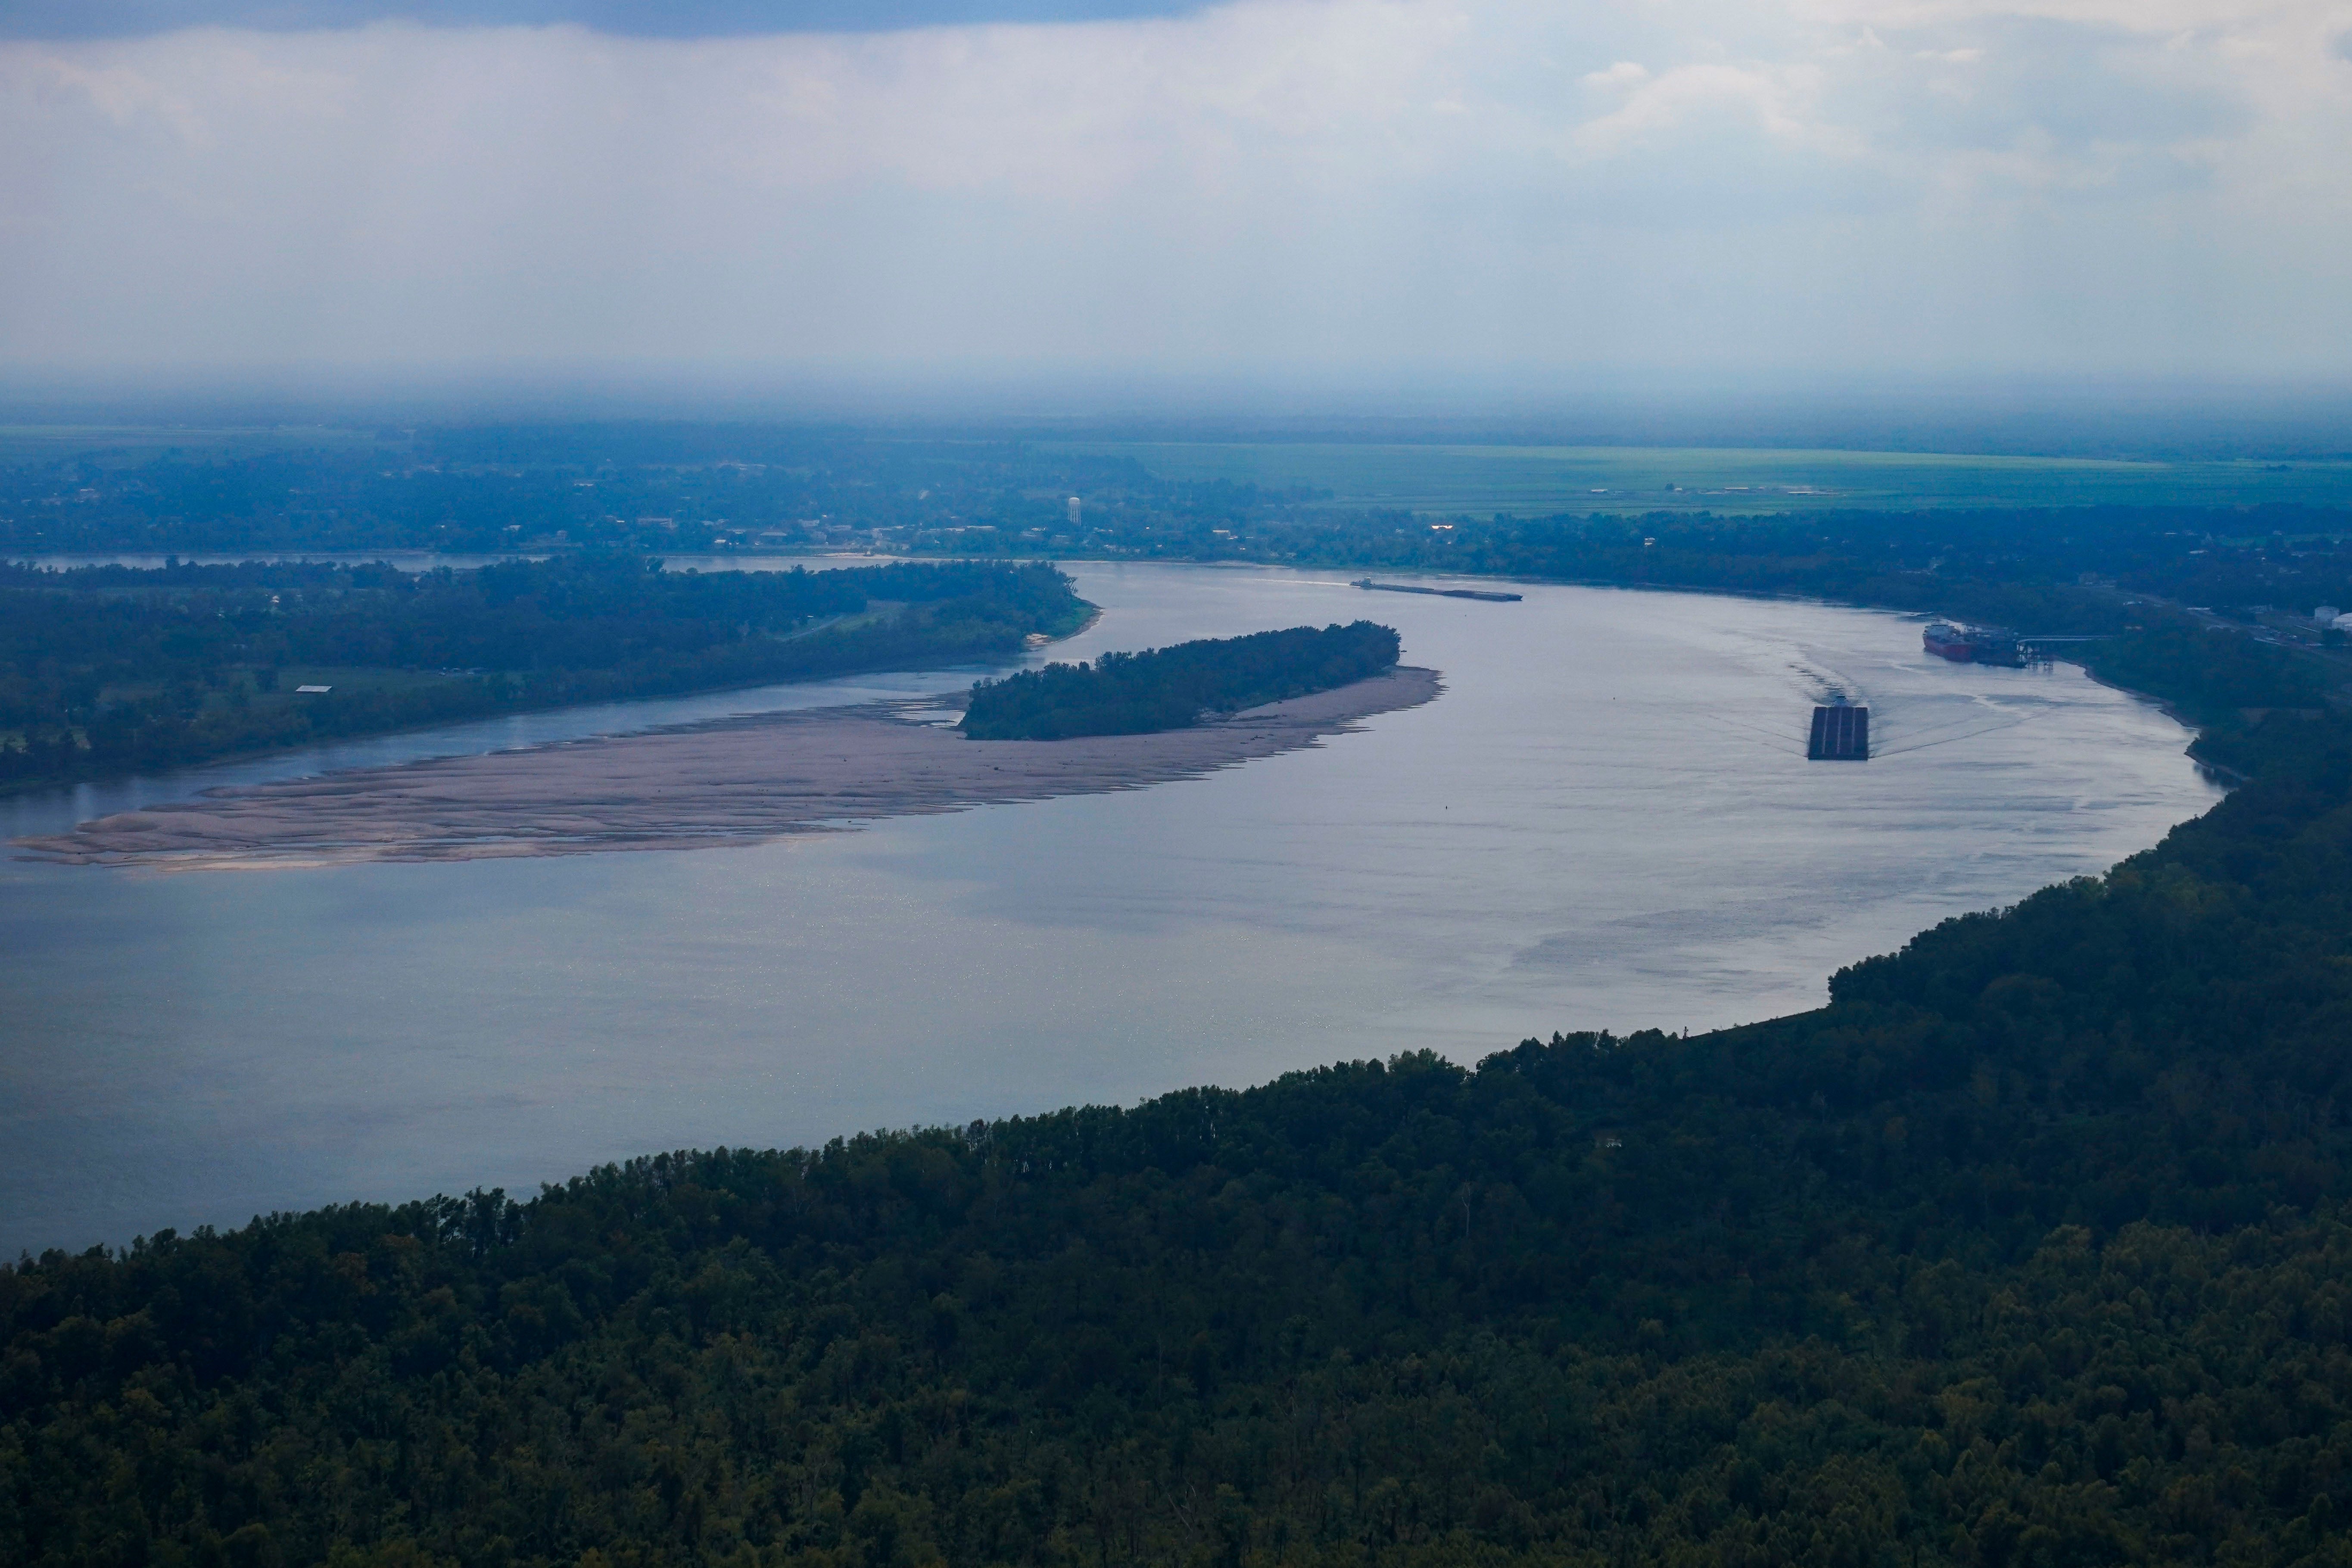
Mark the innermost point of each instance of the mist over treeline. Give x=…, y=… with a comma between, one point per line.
x=712, y=488
x=684, y=414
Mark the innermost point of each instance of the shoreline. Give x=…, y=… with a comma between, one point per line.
x=727, y=781
x=1032, y=643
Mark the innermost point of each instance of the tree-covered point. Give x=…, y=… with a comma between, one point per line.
x=1170, y=688
x=109, y=669
x=2030, y=1247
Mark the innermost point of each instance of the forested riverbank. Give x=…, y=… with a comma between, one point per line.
x=2025, y=1248
x=2029, y=1247
x=649, y=487
x=109, y=669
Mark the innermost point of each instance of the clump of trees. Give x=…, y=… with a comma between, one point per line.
x=2208, y=674
x=1170, y=688
x=112, y=670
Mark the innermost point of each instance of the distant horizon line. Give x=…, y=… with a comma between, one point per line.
x=2141, y=416
x=63, y=21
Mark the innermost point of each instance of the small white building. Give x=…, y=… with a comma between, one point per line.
x=2325, y=614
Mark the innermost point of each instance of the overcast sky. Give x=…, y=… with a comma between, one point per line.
x=1535, y=192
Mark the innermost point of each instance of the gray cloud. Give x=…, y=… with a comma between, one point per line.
x=1988, y=82
x=1391, y=189
x=634, y=18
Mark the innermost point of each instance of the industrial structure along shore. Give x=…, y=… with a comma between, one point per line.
x=1973, y=645
x=735, y=781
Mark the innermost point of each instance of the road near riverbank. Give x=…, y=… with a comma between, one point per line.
x=731, y=781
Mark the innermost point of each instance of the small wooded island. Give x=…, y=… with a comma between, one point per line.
x=1173, y=688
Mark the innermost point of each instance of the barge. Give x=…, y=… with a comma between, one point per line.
x=1436, y=593
x=1841, y=734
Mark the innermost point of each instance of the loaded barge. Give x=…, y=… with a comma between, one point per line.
x=1439, y=593
x=1841, y=734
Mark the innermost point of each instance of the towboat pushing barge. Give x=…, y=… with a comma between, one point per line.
x=1973, y=645
x=1841, y=734
x=1439, y=593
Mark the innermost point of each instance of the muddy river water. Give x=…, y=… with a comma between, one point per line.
x=1606, y=820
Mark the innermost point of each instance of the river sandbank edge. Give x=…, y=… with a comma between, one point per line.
x=728, y=782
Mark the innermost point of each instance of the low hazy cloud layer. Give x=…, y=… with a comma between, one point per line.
x=645, y=18
x=1322, y=186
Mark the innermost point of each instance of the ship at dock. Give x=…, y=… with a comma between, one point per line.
x=1973, y=645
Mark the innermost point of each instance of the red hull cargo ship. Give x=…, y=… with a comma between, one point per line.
x=1973, y=645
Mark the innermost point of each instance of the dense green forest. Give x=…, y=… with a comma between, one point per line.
x=109, y=669
x=2030, y=1247
x=1170, y=688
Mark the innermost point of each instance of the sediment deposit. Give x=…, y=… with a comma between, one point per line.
x=731, y=781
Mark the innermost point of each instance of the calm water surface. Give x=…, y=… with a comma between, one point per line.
x=1606, y=821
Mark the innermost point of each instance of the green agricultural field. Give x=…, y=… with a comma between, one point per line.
x=113, y=445
x=1534, y=481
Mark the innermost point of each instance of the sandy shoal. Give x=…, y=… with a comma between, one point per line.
x=734, y=781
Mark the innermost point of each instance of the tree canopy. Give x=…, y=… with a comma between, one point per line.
x=2030, y=1248
x=108, y=670
x=1170, y=688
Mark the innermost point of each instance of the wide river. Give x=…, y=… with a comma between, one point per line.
x=1606, y=821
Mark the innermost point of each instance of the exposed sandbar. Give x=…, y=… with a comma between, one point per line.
x=733, y=781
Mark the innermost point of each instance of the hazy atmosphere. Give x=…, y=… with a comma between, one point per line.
x=1497, y=191
x=1100, y=783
